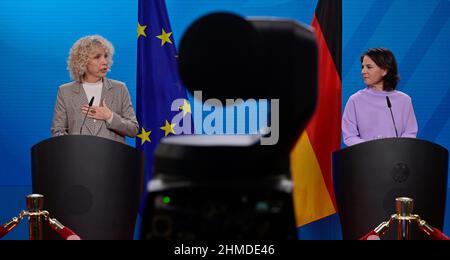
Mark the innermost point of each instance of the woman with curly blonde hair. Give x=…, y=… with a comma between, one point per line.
x=93, y=104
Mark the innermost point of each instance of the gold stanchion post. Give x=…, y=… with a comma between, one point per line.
x=35, y=204
x=405, y=217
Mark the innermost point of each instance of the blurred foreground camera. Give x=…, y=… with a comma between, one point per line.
x=231, y=186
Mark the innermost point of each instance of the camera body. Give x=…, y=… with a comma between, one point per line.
x=203, y=188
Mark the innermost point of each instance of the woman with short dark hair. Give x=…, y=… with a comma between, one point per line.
x=367, y=115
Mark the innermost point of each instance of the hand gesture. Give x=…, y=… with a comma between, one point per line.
x=100, y=113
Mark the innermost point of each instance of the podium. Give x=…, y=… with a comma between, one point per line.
x=370, y=175
x=90, y=184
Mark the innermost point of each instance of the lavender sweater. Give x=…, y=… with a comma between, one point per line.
x=367, y=116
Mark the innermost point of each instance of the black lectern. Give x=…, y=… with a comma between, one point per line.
x=369, y=176
x=92, y=185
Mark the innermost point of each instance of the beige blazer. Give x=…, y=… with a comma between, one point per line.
x=68, y=118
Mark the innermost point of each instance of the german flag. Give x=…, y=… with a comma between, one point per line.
x=311, y=156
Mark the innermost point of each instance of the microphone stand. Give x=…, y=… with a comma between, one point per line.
x=87, y=112
x=392, y=115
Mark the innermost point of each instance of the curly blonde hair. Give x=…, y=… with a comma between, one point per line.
x=79, y=54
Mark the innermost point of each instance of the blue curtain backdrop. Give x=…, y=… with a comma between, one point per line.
x=35, y=37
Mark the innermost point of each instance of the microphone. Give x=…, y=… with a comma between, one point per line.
x=392, y=115
x=87, y=112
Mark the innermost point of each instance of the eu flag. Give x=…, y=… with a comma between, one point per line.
x=158, y=83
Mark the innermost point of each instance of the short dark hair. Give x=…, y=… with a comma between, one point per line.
x=384, y=59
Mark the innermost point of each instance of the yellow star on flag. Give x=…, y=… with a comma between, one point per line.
x=186, y=107
x=145, y=136
x=141, y=30
x=165, y=37
x=168, y=128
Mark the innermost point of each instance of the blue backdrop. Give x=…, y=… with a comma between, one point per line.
x=35, y=37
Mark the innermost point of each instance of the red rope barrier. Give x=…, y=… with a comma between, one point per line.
x=35, y=215
x=68, y=234
x=432, y=232
x=378, y=231
x=3, y=231
x=438, y=235
x=372, y=235
x=10, y=225
x=65, y=232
